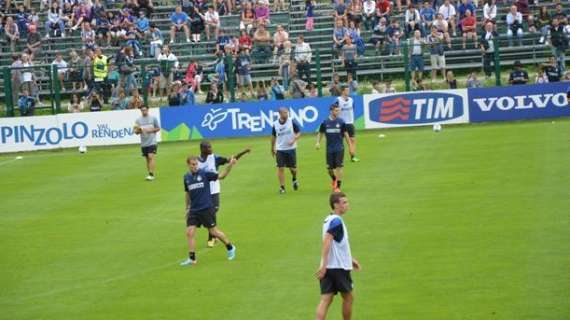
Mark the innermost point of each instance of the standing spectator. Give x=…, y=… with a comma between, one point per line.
x=369, y=14
x=75, y=104
x=261, y=91
x=100, y=73
x=16, y=77
x=472, y=81
x=379, y=35
x=277, y=90
x=383, y=10
x=451, y=81
x=514, y=25
x=490, y=12
x=447, y=10
x=310, y=14
x=28, y=77
x=427, y=13
x=279, y=38
x=559, y=44
x=469, y=28
x=132, y=40
x=355, y=12
x=297, y=88
x=437, y=54
x=285, y=64
x=394, y=33
x=34, y=43
x=551, y=70
x=544, y=22
x=55, y=19
x=61, y=69
x=243, y=66
x=247, y=18
x=126, y=70
x=94, y=101
x=262, y=14
x=412, y=20
x=245, y=41
x=168, y=66
x=518, y=76
x=261, y=44
x=417, y=55
x=194, y=75
x=212, y=19
x=12, y=33
x=335, y=87
x=179, y=21
x=135, y=101
x=541, y=76
x=196, y=24
x=488, y=48
x=443, y=28
x=74, y=73
x=349, y=56
x=302, y=56
x=339, y=36
x=156, y=41
x=88, y=69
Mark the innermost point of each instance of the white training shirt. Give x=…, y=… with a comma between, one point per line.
x=284, y=133
x=346, y=109
x=339, y=254
x=210, y=165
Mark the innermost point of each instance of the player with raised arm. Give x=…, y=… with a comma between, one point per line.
x=199, y=207
x=211, y=162
x=147, y=126
x=284, y=137
x=335, y=130
x=336, y=260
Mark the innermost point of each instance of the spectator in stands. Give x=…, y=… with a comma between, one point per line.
x=277, y=90
x=447, y=10
x=197, y=24
x=488, y=48
x=514, y=25
x=223, y=7
x=26, y=103
x=302, y=56
x=194, y=75
x=551, y=70
x=179, y=21
x=168, y=66
x=518, y=75
x=349, y=56
x=412, y=19
x=247, y=18
x=469, y=28
x=417, y=45
x=279, y=38
x=34, y=43
x=94, y=101
x=126, y=69
x=173, y=96
x=156, y=41
x=285, y=64
x=61, y=69
x=490, y=13
x=312, y=90
x=262, y=14
x=116, y=30
x=522, y=7
x=451, y=81
x=27, y=74
x=80, y=14
x=427, y=13
x=559, y=43
x=354, y=34
x=135, y=101
x=376, y=87
x=12, y=33
x=261, y=44
x=559, y=13
x=388, y=87
x=98, y=11
x=335, y=87
x=88, y=69
x=146, y=6
x=463, y=7
x=67, y=12
x=354, y=13
x=243, y=68
x=442, y=27
x=75, y=104
x=261, y=91
x=437, y=54
x=132, y=40
x=55, y=19
x=245, y=41
x=351, y=84
x=126, y=20
x=418, y=85
x=310, y=14
x=214, y=95
x=212, y=19
x=74, y=71
x=297, y=88
x=16, y=77
x=120, y=102
x=339, y=36
x=369, y=14
x=383, y=10
x=541, y=76
x=87, y=36
x=103, y=31
x=142, y=25
x=279, y=5
x=394, y=33
x=379, y=35
x=22, y=20
x=222, y=41
x=544, y=22
x=472, y=81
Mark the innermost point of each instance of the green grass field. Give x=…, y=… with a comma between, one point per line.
x=469, y=223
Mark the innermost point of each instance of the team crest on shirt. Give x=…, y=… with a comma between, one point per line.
x=338, y=125
x=199, y=178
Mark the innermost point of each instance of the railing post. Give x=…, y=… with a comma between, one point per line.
x=231, y=78
x=8, y=92
x=56, y=89
x=145, y=83
x=497, y=62
x=319, y=73
x=407, y=75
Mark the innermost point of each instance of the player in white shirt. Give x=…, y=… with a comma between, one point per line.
x=211, y=162
x=284, y=137
x=336, y=260
x=346, y=105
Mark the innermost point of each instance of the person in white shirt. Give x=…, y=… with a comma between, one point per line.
x=336, y=259
x=55, y=18
x=448, y=12
x=412, y=19
x=490, y=11
x=61, y=69
x=302, y=56
x=514, y=25
x=284, y=137
x=369, y=14
x=212, y=22
x=167, y=69
x=346, y=105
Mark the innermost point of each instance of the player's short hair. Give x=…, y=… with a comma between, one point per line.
x=205, y=144
x=191, y=158
x=333, y=106
x=335, y=198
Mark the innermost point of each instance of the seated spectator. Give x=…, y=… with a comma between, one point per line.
x=126, y=19
x=120, y=102
x=222, y=41
x=518, y=76
x=168, y=66
x=247, y=18
x=279, y=5
x=335, y=87
x=147, y=6
x=94, y=101
x=67, y=12
x=379, y=35
x=34, y=43
x=214, y=94
x=55, y=19
x=355, y=12
x=418, y=85
x=469, y=29
x=179, y=21
x=61, y=69
x=174, y=96
x=116, y=30
x=135, y=101
x=261, y=91
x=388, y=87
x=212, y=21
x=463, y=7
x=223, y=7
x=310, y=14
x=437, y=54
x=277, y=90
x=559, y=13
x=261, y=44
x=551, y=70
x=447, y=10
x=156, y=41
x=103, y=31
x=514, y=25
x=383, y=10
x=75, y=104
x=522, y=7
x=87, y=36
x=394, y=33
x=194, y=74
x=354, y=34
x=313, y=93
x=132, y=40
x=451, y=81
x=97, y=11
x=81, y=14
x=541, y=76
x=369, y=14
x=74, y=71
x=187, y=6
x=376, y=87
x=544, y=21
x=427, y=13
x=297, y=88
x=279, y=38
x=442, y=27
x=262, y=14
x=490, y=12
x=22, y=20
x=245, y=41
x=243, y=68
x=472, y=81
x=142, y=25
x=339, y=36
x=412, y=20
x=197, y=24
x=303, y=55
x=26, y=103
x=12, y=33
x=349, y=56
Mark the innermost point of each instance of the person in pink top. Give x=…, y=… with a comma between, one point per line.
x=469, y=28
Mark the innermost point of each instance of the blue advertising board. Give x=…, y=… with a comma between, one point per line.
x=519, y=102
x=245, y=119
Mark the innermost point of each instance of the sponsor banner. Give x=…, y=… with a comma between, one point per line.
x=519, y=102
x=69, y=130
x=245, y=119
x=415, y=108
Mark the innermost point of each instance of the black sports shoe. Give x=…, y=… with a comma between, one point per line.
x=295, y=185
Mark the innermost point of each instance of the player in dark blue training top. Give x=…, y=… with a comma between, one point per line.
x=335, y=130
x=199, y=206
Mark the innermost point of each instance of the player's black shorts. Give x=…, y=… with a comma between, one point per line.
x=350, y=130
x=148, y=150
x=335, y=159
x=201, y=218
x=216, y=203
x=336, y=280
x=286, y=159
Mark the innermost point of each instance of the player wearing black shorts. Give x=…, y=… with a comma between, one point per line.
x=346, y=104
x=336, y=259
x=199, y=207
x=147, y=126
x=284, y=137
x=335, y=130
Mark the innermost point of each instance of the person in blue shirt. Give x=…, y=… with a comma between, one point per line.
x=427, y=13
x=179, y=21
x=26, y=104
x=335, y=131
x=222, y=41
x=199, y=206
x=143, y=24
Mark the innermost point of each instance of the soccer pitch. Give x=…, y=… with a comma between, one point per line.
x=468, y=223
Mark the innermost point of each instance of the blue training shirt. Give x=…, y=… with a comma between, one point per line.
x=334, y=131
x=198, y=186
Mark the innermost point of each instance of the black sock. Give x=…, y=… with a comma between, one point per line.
x=294, y=175
x=331, y=174
x=338, y=183
x=282, y=187
x=210, y=237
x=192, y=256
x=229, y=246
x=151, y=174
